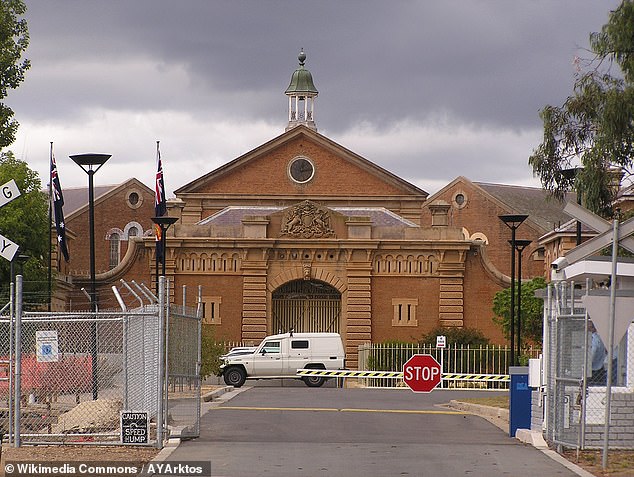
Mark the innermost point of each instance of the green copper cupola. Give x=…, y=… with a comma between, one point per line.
x=301, y=94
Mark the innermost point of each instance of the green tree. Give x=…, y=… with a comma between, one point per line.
x=14, y=39
x=25, y=222
x=532, y=310
x=595, y=125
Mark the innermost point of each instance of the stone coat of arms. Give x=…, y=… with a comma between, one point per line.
x=307, y=220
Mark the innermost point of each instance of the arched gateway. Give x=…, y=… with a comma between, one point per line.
x=306, y=306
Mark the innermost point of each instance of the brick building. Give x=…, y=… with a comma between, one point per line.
x=122, y=212
x=303, y=233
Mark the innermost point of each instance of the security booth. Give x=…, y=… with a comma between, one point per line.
x=588, y=389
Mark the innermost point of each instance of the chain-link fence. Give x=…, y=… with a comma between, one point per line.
x=99, y=377
x=582, y=401
x=183, y=379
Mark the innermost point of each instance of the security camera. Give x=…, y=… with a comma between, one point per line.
x=559, y=263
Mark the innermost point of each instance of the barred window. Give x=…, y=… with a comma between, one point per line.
x=115, y=248
x=404, y=312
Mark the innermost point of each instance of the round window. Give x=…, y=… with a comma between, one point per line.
x=134, y=199
x=459, y=200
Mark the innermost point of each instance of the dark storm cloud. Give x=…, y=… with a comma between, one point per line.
x=487, y=65
x=496, y=62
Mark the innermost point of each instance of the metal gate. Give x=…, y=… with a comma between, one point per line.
x=567, y=345
x=71, y=377
x=306, y=306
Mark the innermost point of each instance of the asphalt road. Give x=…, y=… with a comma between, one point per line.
x=299, y=431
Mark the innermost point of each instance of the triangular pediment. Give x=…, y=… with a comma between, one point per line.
x=76, y=199
x=337, y=171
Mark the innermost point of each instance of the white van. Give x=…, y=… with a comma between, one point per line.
x=280, y=356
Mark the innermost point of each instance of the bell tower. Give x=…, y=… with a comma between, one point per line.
x=301, y=94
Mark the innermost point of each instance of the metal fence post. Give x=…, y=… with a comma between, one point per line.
x=166, y=335
x=608, y=387
x=11, y=360
x=199, y=316
x=161, y=362
x=18, y=359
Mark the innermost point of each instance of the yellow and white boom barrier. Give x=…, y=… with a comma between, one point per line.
x=344, y=373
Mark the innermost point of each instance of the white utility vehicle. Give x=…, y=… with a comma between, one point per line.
x=280, y=356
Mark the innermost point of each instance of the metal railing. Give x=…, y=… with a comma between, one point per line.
x=458, y=360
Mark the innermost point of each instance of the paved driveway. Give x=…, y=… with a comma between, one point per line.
x=295, y=431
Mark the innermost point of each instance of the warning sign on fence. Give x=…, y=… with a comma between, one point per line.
x=134, y=427
x=46, y=345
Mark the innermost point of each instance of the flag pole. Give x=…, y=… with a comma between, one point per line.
x=156, y=198
x=50, y=226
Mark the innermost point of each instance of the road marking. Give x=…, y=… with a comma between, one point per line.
x=330, y=409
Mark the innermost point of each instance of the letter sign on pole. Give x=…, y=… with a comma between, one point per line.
x=422, y=373
x=8, y=192
x=7, y=248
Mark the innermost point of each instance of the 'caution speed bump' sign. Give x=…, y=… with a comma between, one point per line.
x=135, y=427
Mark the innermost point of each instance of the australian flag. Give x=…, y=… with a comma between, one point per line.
x=160, y=206
x=58, y=204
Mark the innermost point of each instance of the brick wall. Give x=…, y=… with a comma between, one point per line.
x=113, y=212
x=333, y=175
x=621, y=424
x=479, y=213
x=386, y=289
x=479, y=290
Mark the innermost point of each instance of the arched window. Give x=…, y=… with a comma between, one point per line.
x=115, y=248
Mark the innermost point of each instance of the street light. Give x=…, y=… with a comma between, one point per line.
x=164, y=223
x=91, y=163
x=513, y=221
x=520, y=245
x=20, y=260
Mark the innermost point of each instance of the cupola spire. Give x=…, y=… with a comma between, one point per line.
x=301, y=94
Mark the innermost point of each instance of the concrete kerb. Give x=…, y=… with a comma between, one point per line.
x=500, y=417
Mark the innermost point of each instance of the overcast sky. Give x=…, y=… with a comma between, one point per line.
x=428, y=90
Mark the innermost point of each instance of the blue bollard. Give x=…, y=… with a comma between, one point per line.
x=520, y=400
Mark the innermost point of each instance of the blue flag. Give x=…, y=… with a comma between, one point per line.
x=58, y=204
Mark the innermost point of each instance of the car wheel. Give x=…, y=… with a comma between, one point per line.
x=235, y=376
x=314, y=381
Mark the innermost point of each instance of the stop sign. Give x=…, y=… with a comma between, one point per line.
x=422, y=373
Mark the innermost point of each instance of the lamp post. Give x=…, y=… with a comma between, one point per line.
x=513, y=221
x=164, y=222
x=20, y=260
x=90, y=164
x=520, y=245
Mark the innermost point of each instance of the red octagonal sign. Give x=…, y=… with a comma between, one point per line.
x=422, y=373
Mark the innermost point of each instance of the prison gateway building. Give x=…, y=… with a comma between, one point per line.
x=302, y=233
